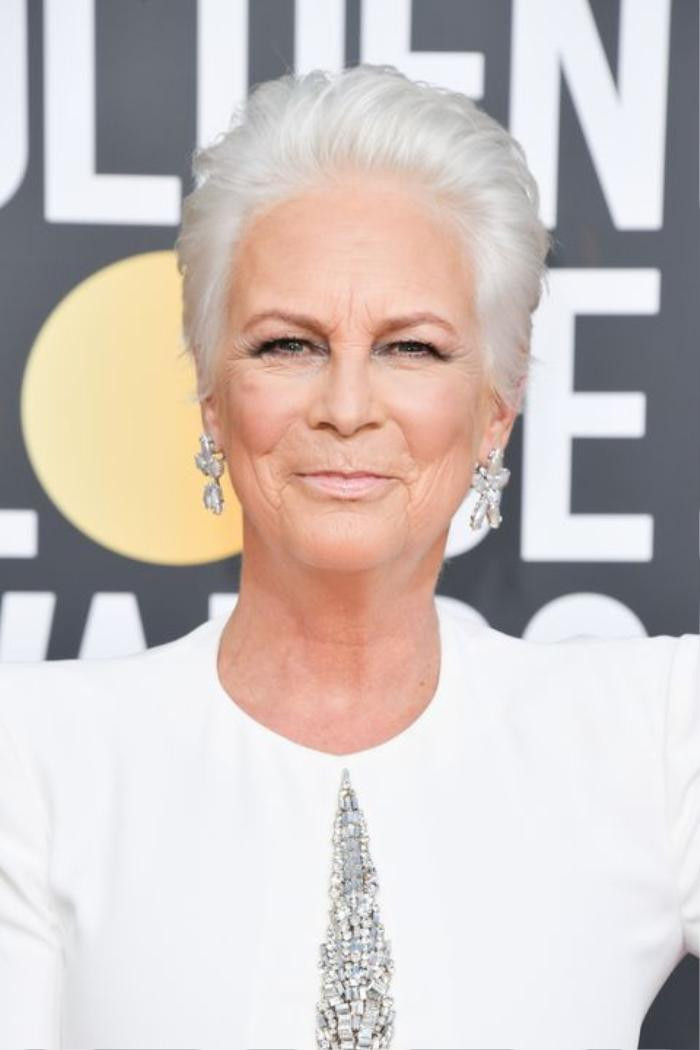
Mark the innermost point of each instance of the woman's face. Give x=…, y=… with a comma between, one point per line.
x=347, y=381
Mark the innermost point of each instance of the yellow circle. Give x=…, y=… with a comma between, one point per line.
x=109, y=424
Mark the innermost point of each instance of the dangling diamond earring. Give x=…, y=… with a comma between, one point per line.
x=489, y=482
x=213, y=497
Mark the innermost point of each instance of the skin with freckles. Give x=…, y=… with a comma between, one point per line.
x=334, y=640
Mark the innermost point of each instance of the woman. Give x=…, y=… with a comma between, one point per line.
x=347, y=815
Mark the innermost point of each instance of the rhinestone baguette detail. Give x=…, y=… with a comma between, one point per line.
x=356, y=1009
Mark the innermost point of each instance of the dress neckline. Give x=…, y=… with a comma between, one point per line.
x=453, y=629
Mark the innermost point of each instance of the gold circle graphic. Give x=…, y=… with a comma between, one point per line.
x=108, y=427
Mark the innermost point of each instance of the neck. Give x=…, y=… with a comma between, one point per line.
x=357, y=651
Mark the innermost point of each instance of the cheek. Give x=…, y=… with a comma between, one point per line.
x=440, y=419
x=259, y=415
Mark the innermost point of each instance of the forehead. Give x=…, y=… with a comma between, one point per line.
x=365, y=246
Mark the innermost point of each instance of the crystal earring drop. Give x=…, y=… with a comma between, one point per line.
x=356, y=1008
x=489, y=482
x=205, y=460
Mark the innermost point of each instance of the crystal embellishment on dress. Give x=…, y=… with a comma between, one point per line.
x=356, y=1009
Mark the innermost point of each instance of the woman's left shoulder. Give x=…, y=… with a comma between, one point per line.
x=660, y=665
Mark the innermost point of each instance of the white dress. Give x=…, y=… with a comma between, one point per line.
x=165, y=858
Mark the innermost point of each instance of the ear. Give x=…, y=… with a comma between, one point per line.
x=499, y=421
x=212, y=422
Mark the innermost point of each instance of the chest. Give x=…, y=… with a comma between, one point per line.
x=517, y=916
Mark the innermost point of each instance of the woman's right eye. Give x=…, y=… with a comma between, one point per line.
x=271, y=346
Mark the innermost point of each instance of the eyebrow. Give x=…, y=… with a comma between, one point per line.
x=313, y=324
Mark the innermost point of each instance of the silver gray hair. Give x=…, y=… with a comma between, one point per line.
x=297, y=131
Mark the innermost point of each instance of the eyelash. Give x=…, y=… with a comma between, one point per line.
x=266, y=346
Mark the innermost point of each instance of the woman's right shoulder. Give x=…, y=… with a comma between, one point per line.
x=55, y=683
x=49, y=702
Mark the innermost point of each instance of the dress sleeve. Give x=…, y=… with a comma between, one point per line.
x=683, y=780
x=29, y=943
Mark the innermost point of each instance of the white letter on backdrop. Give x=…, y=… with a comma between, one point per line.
x=554, y=413
x=26, y=618
x=14, y=96
x=222, y=64
x=624, y=125
x=113, y=626
x=74, y=192
x=385, y=37
x=319, y=35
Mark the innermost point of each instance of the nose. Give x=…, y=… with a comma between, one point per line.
x=345, y=394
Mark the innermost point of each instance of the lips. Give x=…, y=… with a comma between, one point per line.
x=342, y=474
x=340, y=485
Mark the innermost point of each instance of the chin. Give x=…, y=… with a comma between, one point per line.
x=355, y=548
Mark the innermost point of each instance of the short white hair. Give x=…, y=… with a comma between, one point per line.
x=297, y=131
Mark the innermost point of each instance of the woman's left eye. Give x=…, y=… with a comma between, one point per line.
x=422, y=347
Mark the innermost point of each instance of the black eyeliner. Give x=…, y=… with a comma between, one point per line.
x=267, y=344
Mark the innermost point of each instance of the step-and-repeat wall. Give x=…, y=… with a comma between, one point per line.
x=105, y=546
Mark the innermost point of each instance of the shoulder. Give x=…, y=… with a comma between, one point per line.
x=644, y=671
x=74, y=703
x=591, y=650
x=616, y=706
